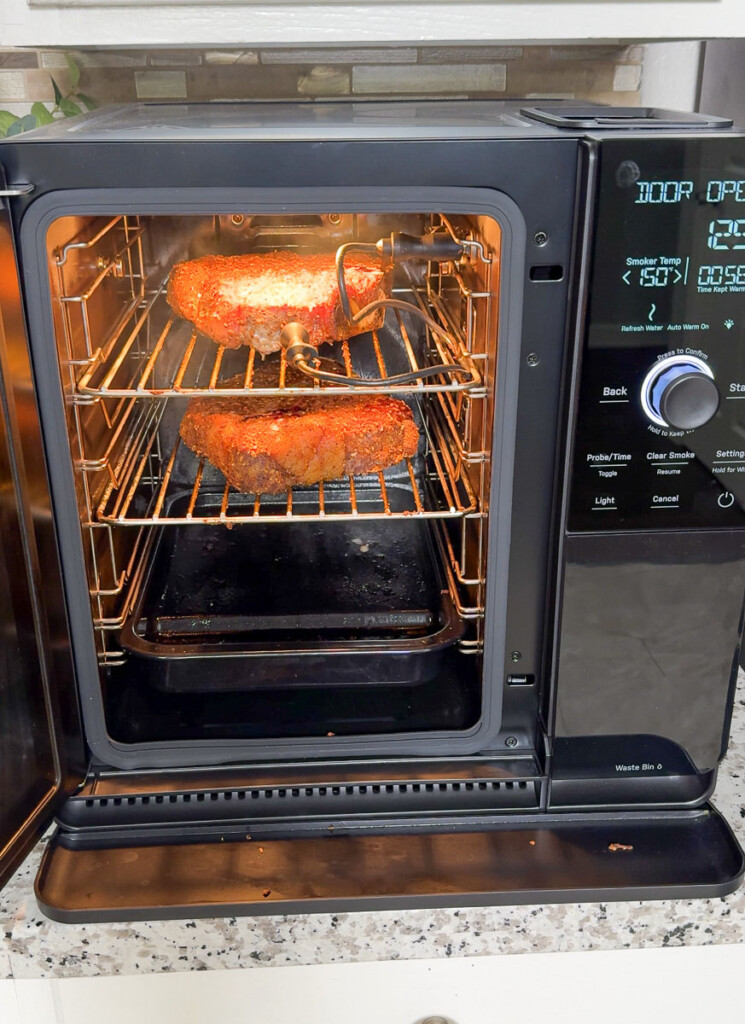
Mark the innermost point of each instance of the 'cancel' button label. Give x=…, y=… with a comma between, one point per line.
x=665, y=501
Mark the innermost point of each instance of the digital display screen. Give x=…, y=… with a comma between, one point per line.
x=705, y=200
x=727, y=234
x=667, y=283
x=676, y=229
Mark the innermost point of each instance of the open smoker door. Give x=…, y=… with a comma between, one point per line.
x=39, y=727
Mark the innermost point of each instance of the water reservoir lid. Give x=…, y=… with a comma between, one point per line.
x=573, y=116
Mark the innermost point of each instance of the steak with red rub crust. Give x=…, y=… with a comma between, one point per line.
x=267, y=445
x=247, y=300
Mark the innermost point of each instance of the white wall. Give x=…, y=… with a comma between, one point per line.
x=671, y=76
x=106, y=23
x=638, y=986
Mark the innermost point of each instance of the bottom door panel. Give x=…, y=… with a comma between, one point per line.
x=546, y=859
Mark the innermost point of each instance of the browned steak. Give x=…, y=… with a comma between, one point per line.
x=247, y=300
x=267, y=445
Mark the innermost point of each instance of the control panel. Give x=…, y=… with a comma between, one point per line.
x=659, y=439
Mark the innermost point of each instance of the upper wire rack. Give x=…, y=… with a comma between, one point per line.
x=174, y=360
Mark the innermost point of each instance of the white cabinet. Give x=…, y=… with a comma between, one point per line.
x=685, y=985
x=77, y=23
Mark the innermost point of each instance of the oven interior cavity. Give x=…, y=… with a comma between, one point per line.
x=280, y=433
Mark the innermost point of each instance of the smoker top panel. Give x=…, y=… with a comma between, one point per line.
x=270, y=121
x=353, y=120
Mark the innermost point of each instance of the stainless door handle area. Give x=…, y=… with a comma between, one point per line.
x=21, y=189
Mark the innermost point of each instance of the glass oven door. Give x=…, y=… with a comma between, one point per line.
x=35, y=759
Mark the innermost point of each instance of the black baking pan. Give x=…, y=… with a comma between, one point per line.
x=309, y=604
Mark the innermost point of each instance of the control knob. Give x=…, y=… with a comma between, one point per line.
x=680, y=392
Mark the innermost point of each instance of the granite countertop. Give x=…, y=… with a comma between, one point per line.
x=34, y=947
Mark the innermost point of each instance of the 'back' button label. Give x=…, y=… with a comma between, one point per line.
x=612, y=394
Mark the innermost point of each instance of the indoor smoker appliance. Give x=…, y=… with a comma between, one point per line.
x=498, y=666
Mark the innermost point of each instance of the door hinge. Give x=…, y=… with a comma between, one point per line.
x=21, y=189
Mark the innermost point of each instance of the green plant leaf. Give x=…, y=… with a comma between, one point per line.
x=57, y=93
x=69, y=108
x=74, y=72
x=6, y=120
x=23, y=124
x=41, y=113
x=88, y=103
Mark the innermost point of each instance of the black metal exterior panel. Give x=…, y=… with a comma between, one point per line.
x=531, y=171
x=551, y=859
x=649, y=622
x=650, y=631
x=539, y=414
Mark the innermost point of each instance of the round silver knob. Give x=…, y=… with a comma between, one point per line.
x=680, y=392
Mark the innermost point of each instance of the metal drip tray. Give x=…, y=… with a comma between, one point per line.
x=308, y=604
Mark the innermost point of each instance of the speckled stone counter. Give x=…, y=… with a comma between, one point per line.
x=34, y=947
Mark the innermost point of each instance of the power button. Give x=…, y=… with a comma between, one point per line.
x=726, y=500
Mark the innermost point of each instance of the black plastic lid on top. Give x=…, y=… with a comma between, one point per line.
x=573, y=116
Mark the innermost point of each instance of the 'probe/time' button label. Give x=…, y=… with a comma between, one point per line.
x=599, y=459
x=608, y=464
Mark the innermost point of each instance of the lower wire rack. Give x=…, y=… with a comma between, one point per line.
x=178, y=488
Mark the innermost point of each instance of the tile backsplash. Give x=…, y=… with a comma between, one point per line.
x=610, y=74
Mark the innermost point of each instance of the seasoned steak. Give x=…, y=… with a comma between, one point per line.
x=267, y=445
x=247, y=300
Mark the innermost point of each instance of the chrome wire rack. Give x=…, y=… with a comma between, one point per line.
x=124, y=355
x=115, y=256
x=99, y=282
x=144, y=488
x=468, y=296
x=159, y=355
x=149, y=352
